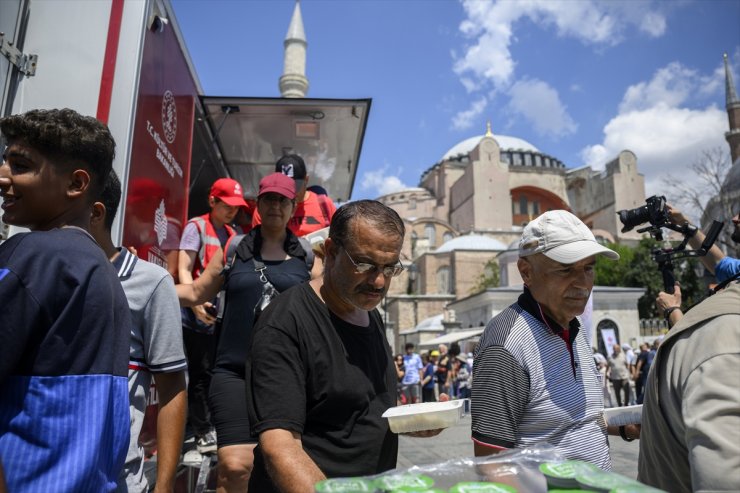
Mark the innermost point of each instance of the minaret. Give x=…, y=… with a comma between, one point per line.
x=732, y=103
x=293, y=82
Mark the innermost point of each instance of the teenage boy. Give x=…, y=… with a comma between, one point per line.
x=202, y=237
x=64, y=322
x=155, y=351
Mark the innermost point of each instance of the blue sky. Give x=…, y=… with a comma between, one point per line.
x=579, y=79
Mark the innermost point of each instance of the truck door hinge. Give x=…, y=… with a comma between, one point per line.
x=26, y=64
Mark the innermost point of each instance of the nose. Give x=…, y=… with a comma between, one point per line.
x=378, y=280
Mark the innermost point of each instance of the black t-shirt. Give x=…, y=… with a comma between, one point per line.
x=330, y=381
x=243, y=291
x=645, y=368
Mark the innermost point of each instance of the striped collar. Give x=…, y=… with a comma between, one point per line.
x=528, y=303
x=124, y=263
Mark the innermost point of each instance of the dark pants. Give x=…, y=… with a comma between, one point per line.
x=199, y=350
x=620, y=385
x=640, y=387
x=427, y=394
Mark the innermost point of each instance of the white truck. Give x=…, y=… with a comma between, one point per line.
x=126, y=63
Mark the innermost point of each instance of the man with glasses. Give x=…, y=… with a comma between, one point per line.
x=320, y=372
x=202, y=237
x=313, y=210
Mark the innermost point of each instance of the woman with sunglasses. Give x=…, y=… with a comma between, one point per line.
x=269, y=252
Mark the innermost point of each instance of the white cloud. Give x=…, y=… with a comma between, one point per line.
x=660, y=122
x=487, y=63
x=490, y=25
x=540, y=105
x=465, y=119
x=381, y=183
x=653, y=24
x=671, y=85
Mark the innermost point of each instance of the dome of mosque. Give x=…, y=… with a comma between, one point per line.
x=505, y=142
x=471, y=242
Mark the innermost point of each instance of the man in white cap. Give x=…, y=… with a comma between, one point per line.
x=534, y=373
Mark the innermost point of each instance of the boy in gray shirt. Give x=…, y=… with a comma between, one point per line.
x=156, y=350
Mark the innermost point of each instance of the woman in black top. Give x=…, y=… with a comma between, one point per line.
x=276, y=249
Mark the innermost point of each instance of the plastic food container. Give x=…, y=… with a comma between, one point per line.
x=424, y=416
x=620, y=416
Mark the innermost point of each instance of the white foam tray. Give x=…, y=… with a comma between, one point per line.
x=620, y=416
x=424, y=416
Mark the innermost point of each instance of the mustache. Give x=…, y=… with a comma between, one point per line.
x=369, y=289
x=578, y=293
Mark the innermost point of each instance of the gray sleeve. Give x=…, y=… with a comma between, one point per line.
x=499, y=397
x=162, y=331
x=190, y=238
x=711, y=400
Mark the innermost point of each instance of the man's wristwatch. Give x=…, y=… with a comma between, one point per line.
x=623, y=434
x=667, y=312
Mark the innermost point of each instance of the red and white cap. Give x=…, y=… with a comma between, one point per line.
x=563, y=237
x=229, y=191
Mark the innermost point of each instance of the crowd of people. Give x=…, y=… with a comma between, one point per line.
x=290, y=369
x=423, y=377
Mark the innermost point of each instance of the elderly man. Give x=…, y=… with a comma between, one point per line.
x=321, y=372
x=534, y=373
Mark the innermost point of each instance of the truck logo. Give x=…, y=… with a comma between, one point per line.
x=169, y=116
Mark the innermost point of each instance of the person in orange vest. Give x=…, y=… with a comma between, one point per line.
x=313, y=211
x=202, y=237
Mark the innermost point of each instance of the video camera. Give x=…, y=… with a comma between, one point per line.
x=654, y=212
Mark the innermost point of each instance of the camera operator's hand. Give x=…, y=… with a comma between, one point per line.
x=713, y=256
x=677, y=216
x=669, y=305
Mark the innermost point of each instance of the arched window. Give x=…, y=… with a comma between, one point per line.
x=606, y=330
x=447, y=237
x=431, y=234
x=444, y=286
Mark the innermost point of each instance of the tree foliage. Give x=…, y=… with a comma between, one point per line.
x=637, y=269
x=489, y=278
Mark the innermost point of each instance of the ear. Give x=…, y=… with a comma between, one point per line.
x=97, y=215
x=330, y=248
x=79, y=183
x=525, y=270
x=211, y=202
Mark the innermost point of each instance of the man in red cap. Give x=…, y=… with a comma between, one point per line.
x=313, y=211
x=202, y=237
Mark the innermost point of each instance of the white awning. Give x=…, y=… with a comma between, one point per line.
x=453, y=337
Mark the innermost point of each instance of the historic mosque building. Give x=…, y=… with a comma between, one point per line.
x=471, y=206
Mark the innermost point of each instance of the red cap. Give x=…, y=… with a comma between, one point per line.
x=278, y=183
x=228, y=191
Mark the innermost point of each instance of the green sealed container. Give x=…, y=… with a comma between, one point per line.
x=345, y=485
x=482, y=487
x=392, y=482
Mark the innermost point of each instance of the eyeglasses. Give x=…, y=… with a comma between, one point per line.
x=272, y=198
x=366, y=268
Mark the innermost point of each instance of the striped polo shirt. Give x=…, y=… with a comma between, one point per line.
x=530, y=387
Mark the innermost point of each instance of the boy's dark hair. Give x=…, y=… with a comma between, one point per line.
x=66, y=138
x=110, y=197
x=409, y=345
x=379, y=215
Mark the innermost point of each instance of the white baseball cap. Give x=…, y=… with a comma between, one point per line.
x=563, y=237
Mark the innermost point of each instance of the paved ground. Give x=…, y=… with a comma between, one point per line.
x=455, y=443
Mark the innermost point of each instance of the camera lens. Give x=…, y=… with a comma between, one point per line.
x=633, y=217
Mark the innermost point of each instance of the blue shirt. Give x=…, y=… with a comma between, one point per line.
x=413, y=365
x=726, y=268
x=64, y=334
